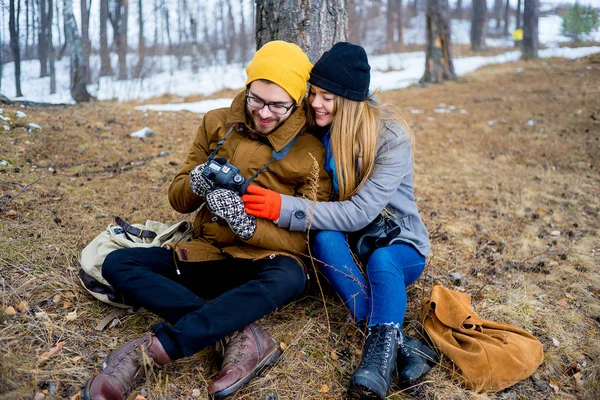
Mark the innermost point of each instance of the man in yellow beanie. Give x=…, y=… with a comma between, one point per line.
x=237, y=268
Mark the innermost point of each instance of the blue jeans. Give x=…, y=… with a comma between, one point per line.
x=208, y=300
x=380, y=297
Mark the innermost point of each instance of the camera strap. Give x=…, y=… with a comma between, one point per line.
x=277, y=155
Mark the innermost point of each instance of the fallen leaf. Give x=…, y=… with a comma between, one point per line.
x=10, y=311
x=67, y=304
x=324, y=389
x=11, y=213
x=39, y=396
x=562, y=302
x=591, y=331
x=52, y=351
x=196, y=393
x=72, y=316
x=23, y=306
x=139, y=397
x=298, y=354
x=76, y=359
x=334, y=356
x=76, y=396
x=283, y=345
x=106, y=321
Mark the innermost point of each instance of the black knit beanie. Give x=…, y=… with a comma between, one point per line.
x=343, y=70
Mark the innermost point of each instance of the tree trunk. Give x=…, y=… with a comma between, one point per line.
x=438, y=58
x=231, y=41
x=141, y=42
x=530, y=29
x=61, y=44
x=518, y=14
x=390, y=19
x=314, y=25
x=458, y=12
x=13, y=27
x=85, y=36
x=105, y=67
x=506, y=18
x=497, y=13
x=27, y=25
x=399, y=22
x=43, y=34
x=195, y=50
x=78, y=72
x=1, y=63
x=122, y=35
x=51, y=50
x=243, y=38
x=478, y=25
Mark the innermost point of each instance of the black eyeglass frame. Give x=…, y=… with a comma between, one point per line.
x=268, y=105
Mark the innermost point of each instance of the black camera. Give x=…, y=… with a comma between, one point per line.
x=224, y=175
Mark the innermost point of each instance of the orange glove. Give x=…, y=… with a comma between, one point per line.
x=262, y=203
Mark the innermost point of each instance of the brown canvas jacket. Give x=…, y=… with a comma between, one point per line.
x=214, y=240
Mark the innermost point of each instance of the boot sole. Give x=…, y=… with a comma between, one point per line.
x=359, y=392
x=269, y=360
x=86, y=390
x=364, y=387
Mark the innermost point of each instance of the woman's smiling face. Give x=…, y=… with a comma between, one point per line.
x=321, y=102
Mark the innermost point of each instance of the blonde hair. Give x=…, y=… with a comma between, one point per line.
x=355, y=130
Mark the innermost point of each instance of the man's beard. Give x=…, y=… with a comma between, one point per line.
x=260, y=130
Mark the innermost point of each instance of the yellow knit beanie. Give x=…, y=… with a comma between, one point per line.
x=284, y=64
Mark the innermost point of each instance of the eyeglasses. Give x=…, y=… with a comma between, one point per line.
x=275, y=108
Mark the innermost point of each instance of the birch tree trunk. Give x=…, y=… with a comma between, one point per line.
x=85, y=36
x=314, y=25
x=78, y=69
x=438, y=58
x=141, y=41
x=530, y=29
x=478, y=25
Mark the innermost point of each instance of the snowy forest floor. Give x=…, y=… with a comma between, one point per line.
x=507, y=178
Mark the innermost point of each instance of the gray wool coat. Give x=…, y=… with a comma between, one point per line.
x=390, y=187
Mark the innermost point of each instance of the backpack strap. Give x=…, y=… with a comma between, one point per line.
x=137, y=232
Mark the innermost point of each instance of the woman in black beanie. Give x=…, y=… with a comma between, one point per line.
x=369, y=157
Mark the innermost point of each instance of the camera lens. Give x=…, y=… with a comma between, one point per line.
x=238, y=179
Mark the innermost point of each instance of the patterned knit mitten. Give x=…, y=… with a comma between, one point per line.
x=228, y=205
x=199, y=184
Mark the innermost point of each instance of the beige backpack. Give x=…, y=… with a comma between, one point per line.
x=122, y=235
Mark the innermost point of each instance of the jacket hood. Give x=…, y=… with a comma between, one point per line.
x=281, y=136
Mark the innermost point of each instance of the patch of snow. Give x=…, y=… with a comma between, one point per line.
x=144, y=132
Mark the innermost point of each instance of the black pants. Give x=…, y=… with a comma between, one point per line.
x=242, y=291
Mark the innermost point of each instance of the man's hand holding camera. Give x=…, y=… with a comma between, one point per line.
x=228, y=205
x=221, y=186
x=198, y=182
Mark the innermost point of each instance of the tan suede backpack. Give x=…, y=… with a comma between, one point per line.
x=122, y=235
x=488, y=356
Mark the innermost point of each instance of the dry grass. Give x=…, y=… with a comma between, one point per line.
x=490, y=194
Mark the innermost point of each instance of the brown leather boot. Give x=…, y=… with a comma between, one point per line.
x=246, y=352
x=123, y=367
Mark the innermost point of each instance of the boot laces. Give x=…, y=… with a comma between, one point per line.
x=235, y=347
x=378, y=349
x=132, y=359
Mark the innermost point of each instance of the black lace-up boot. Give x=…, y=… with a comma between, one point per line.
x=414, y=360
x=373, y=377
